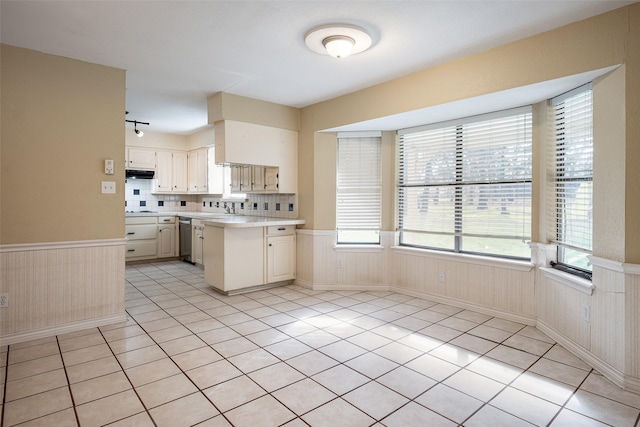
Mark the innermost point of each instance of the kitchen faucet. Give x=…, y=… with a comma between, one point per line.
x=230, y=210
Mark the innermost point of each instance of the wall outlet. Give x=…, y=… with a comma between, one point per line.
x=586, y=313
x=4, y=300
x=441, y=276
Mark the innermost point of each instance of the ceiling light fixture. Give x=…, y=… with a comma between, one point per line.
x=338, y=40
x=135, y=126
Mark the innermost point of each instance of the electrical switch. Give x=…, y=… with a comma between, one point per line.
x=108, y=187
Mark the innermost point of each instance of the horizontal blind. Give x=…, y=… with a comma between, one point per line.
x=572, y=184
x=358, y=192
x=467, y=178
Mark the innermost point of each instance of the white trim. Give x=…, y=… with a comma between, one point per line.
x=527, y=320
x=45, y=246
x=578, y=283
x=363, y=288
x=620, y=267
x=361, y=134
x=613, y=374
x=466, y=258
x=17, y=337
x=311, y=232
x=345, y=247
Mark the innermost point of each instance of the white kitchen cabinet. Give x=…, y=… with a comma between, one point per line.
x=197, y=251
x=257, y=179
x=252, y=144
x=166, y=241
x=241, y=177
x=280, y=253
x=234, y=257
x=198, y=170
x=254, y=179
x=271, y=180
x=141, y=158
x=171, y=172
x=141, y=236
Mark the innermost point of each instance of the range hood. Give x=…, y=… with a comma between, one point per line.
x=138, y=174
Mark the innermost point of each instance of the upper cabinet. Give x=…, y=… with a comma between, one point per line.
x=199, y=171
x=251, y=144
x=171, y=172
x=141, y=158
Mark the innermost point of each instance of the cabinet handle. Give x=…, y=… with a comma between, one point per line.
x=281, y=229
x=130, y=234
x=270, y=244
x=131, y=250
x=166, y=220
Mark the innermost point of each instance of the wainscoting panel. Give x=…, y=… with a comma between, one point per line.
x=53, y=287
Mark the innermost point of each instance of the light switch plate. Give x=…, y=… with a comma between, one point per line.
x=108, y=187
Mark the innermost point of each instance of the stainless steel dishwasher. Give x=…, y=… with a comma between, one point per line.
x=185, y=238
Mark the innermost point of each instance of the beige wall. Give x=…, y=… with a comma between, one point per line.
x=61, y=119
x=165, y=141
x=588, y=45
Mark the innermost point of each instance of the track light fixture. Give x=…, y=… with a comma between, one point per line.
x=135, y=127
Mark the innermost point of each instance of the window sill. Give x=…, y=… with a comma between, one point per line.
x=509, y=264
x=574, y=282
x=358, y=248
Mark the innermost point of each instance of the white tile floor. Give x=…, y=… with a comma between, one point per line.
x=292, y=356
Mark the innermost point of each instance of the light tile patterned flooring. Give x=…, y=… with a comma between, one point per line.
x=292, y=356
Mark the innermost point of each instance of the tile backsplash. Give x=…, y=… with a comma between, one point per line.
x=138, y=197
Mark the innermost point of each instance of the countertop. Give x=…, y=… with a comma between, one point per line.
x=226, y=220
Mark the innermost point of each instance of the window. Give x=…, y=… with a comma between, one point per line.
x=465, y=185
x=359, y=188
x=571, y=162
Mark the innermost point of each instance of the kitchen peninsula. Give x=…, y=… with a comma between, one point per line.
x=243, y=253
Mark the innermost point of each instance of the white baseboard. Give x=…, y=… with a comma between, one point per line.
x=467, y=306
x=613, y=374
x=18, y=337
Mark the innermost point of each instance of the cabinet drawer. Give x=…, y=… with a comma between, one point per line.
x=166, y=220
x=141, y=248
x=132, y=220
x=140, y=232
x=278, y=230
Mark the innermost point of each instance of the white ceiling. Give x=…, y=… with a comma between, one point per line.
x=178, y=53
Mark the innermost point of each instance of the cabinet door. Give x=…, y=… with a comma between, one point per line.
x=180, y=170
x=257, y=179
x=202, y=175
x=166, y=241
x=281, y=258
x=193, y=171
x=271, y=176
x=163, y=180
x=141, y=158
x=245, y=178
x=236, y=178
x=198, y=245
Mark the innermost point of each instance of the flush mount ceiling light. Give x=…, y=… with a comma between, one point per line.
x=338, y=40
x=135, y=127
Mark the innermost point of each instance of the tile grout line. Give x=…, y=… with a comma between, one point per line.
x=4, y=386
x=66, y=375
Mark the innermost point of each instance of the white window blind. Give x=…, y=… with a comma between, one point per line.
x=571, y=161
x=359, y=188
x=465, y=185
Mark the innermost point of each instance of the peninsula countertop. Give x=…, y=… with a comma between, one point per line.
x=245, y=221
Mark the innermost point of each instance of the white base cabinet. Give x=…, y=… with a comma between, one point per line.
x=197, y=242
x=141, y=234
x=236, y=258
x=167, y=241
x=281, y=254
x=151, y=237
